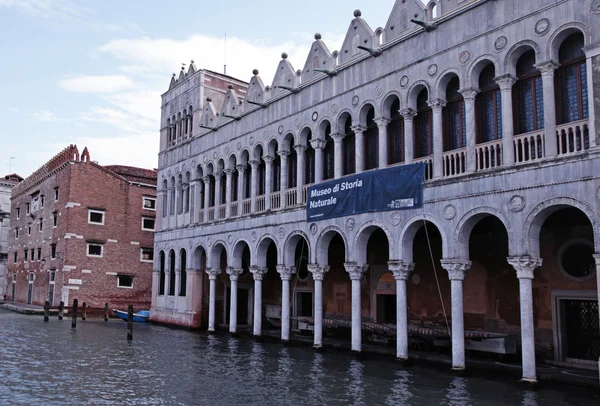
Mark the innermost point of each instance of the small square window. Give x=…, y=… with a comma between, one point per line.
x=54, y=219
x=29, y=229
x=125, y=281
x=148, y=223
x=27, y=207
x=18, y=213
x=25, y=255
x=32, y=257
x=56, y=194
x=15, y=257
x=39, y=252
x=41, y=224
x=96, y=216
x=94, y=250
x=17, y=233
x=52, y=276
x=147, y=254
x=53, y=251
x=149, y=203
x=41, y=201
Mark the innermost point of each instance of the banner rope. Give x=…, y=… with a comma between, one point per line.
x=436, y=278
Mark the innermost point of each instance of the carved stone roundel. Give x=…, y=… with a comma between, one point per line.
x=251, y=141
x=596, y=6
x=297, y=123
x=501, y=43
x=350, y=224
x=230, y=238
x=334, y=108
x=432, y=70
x=378, y=92
x=254, y=236
x=280, y=129
x=313, y=229
x=464, y=57
x=449, y=212
x=215, y=155
x=516, y=203
x=396, y=217
x=598, y=193
x=281, y=233
x=226, y=150
x=355, y=101
x=209, y=242
x=542, y=26
x=315, y=116
x=239, y=145
x=204, y=159
x=404, y=81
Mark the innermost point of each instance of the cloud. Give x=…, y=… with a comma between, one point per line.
x=124, y=149
x=48, y=116
x=47, y=9
x=97, y=84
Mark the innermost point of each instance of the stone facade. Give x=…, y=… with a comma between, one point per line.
x=82, y=231
x=499, y=100
x=6, y=185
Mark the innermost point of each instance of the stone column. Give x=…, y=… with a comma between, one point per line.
x=382, y=126
x=438, y=137
x=286, y=276
x=155, y=286
x=189, y=124
x=506, y=83
x=469, y=98
x=550, y=145
x=173, y=135
x=207, y=192
x=283, y=156
x=194, y=200
x=525, y=267
x=401, y=271
x=409, y=138
x=241, y=180
x=212, y=276
x=228, y=177
x=592, y=53
x=318, y=273
x=356, y=272
x=234, y=274
x=218, y=186
x=301, y=158
x=338, y=146
x=318, y=146
x=178, y=199
x=359, y=147
x=268, y=180
x=254, y=185
x=456, y=271
x=597, y=260
x=258, y=274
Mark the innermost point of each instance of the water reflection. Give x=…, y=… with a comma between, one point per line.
x=356, y=390
x=529, y=399
x=401, y=394
x=317, y=375
x=457, y=394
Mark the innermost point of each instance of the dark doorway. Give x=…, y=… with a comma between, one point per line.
x=386, y=309
x=304, y=304
x=583, y=332
x=242, y=306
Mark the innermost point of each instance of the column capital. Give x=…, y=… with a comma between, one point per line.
x=505, y=82
x=408, y=114
x=228, y=172
x=469, y=93
x=436, y=104
x=597, y=259
x=258, y=273
x=318, y=272
x=318, y=143
x=254, y=163
x=354, y=270
x=524, y=266
x=213, y=273
x=456, y=268
x=400, y=270
x=283, y=154
x=241, y=168
x=286, y=272
x=234, y=273
x=206, y=179
x=547, y=67
x=337, y=137
x=268, y=159
x=156, y=271
x=382, y=121
x=218, y=174
x=185, y=185
x=358, y=129
x=300, y=148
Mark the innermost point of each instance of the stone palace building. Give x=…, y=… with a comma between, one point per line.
x=499, y=100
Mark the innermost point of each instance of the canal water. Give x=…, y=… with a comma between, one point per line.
x=51, y=364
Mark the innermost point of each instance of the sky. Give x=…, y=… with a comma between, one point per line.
x=91, y=72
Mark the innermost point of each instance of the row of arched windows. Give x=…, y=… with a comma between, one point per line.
x=172, y=271
x=179, y=127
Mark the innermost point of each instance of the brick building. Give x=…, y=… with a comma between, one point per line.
x=82, y=231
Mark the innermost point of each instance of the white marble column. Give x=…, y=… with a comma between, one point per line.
x=591, y=52
x=212, y=296
x=525, y=267
x=155, y=287
x=218, y=186
x=258, y=274
x=438, y=136
x=382, y=127
x=401, y=272
x=318, y=146
x=234, y=274
x=228, y=178
x=338, y=154
x=173, y=135
x=254, y=185
x=283, y=156
x=597, y=260
x=409, y=138
x=207, y=192
x=550, y=145
x=359, y=148
x=286, y=276
x=300, y=170
x=318, y=274
x=456, y=272
x=506, y=83
x=356, y=272
x=241, y=180
x=268, y=180
x=469, y=98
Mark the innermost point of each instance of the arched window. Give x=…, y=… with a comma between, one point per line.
x=276, y=180
x=165, y=198
x=371, y=140
x=488, y=107
x=202, y=192
x=309, y=167
x=161, y=288
x=235, y=178
x=169, y=141
x=328, y=155
x=172, y=274
x=528, y=97
x=423, y=127
x=292, y=168
x=247, y=182
x=571, y=81
x=172, y=197
x=183, y=279
x=349, y=148
x=223, y=189
x=211, y=197
x=395, y=134
x=261, y=177
x=454, y=126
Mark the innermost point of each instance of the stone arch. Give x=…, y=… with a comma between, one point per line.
x=323, y=241
x=444, y=79
x=466, y=224
x=209, y=168
x=288, y=142
x=537, y=217
x=341, y=119
x=476, y=68
x=322, y=127
x=362, y=238
x=407, y=236
x=260, y=256
x=198, y=251
x=220, y=165
x=387, y=102
x=561, y=33
x=236, y=253
x=272, y=146
x=258, y=151
x=215, y=254
x=232, y=161
x=303, y=137
x=413, y=92
x=515, y=52
x=244, y=157
x=289, y=247
x=364, y=110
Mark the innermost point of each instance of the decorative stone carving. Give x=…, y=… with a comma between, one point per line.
x=234, y=273
x=404, y=81
x=281, y=233
x=542, y=26
x=215, y=155
x=313, y=229
x=213, y=273
x=400, y=270
x=297, y=123
x=501, y=43
x=525, y=266
x=350, y=224
x=516, y=203
x=432, y=70
x=226, y=150
x=456, y=268
x=230, y=239
x=254, y=236
x=209, y=242
x=239, y=145
x=334, y=108
x=318, y=272
x=355, y=101
x=285, y=272
x=396, y=218
x=464, y=57
x=258, y=273
x=449, y=212
x=378, y=92
x=314, y=116
x=280, y=129
x=204, y=159
x=355, y=271
x=595, y=7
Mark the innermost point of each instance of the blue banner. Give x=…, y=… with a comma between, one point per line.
x=397, y=188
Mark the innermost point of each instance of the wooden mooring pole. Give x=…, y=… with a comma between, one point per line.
x=47, y=311
x=74, y=315
x=105, y=311
x=83, y=311
x=61, y=310
x=130, y=322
